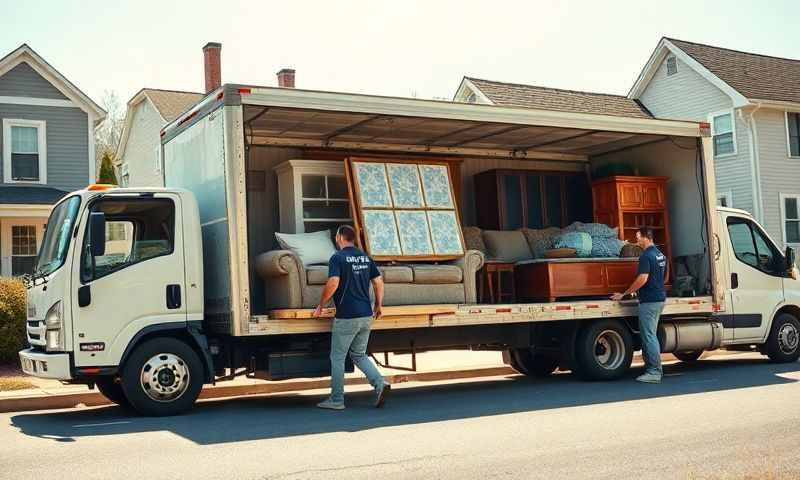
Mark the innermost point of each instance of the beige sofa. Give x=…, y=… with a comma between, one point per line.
x=290, y=284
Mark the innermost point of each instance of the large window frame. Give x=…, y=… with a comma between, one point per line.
x=41, y=127
x=783, y=197
x=789, y=134
x=714, y=133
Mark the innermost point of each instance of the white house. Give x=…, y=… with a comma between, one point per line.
x=753, y=104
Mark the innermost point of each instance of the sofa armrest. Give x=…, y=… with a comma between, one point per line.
x=284, y=278
x=470, y=263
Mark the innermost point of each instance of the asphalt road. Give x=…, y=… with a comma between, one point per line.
x=727, y=417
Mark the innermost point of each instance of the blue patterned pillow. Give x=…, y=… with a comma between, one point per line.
x=580, y=241
x=606, y=247
x=595, y=230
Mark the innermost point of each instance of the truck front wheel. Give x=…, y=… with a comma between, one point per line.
x=783, y=343
x=162, y=376
x=603, y=350
x=112, y=390
x=524, y=361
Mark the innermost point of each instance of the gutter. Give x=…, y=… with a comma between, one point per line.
x=755, y=163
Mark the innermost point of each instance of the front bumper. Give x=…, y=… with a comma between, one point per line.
x=45, y=365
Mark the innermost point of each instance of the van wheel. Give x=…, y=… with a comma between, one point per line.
x=688, y=356
x=528, y=363
x=603, y=350
x=113, y=391
x=783, y=343
x=163, y=376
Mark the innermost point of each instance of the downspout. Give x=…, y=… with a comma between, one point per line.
x=755, y=164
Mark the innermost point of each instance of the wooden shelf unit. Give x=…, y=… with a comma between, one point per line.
x=629, y=202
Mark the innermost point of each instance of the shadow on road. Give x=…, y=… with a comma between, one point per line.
x=285, y=415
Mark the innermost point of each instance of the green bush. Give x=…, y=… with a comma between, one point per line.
x=12, y=319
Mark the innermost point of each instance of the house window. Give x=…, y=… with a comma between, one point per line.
x=672, y=66
x=723, y=133
x=793, y=133
x=24, y=151
x=725, y=199
x=157, y=159
x=23, y=249
x=124, y=176
x=472, y=98
x=791, y=219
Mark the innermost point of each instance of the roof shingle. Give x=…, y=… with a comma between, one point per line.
x=754, y=76
x=514, y=94
x=28, y=195
x=171, y=103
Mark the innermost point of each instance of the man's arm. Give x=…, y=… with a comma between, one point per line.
x=377, y=284
x=330, y=288
x=640, y=280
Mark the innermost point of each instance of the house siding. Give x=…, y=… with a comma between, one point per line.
x=67, y=142
x=143, y=138
x=24, y=81
x=686, y=95
x=780, y=174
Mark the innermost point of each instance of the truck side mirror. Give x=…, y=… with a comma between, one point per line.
x=97, y=233
x=790, y=258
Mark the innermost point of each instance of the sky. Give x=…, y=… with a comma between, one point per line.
x=398, y=48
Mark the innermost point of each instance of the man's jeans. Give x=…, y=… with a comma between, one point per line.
x=649, y=314
x=351, y=335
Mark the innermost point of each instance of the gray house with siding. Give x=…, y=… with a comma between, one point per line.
x=46, y=150
x=753, y=105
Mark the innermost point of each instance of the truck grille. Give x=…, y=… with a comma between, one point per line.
x=35, y=331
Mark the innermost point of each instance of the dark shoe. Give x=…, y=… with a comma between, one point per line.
x=381, y=395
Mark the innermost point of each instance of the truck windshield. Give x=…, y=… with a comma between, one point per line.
x=57, y=236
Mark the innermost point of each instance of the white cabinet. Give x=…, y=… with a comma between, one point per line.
x=312, y=195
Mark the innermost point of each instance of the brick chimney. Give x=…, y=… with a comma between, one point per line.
x=213, y=70
x=286, y=78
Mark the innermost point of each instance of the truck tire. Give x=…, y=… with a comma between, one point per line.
x=783, y=343
x=113, y=391
x=528, y=363
x=162, y=377
x=603, y=350
x=688, y=356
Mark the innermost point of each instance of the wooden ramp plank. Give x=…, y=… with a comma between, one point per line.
x=397, y=310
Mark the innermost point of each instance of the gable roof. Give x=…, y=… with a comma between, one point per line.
x=741, y=75
x=169, y=104
x=753, y=75
x=30, y=195
x=519, y=95
x=27, y=55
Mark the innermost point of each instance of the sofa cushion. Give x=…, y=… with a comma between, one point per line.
x=311, y=248
x=473, y=239
x=317, y=274
x=510, y=245
x=437, y=274
x=396, y=274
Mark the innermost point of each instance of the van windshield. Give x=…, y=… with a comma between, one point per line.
x=57, y=236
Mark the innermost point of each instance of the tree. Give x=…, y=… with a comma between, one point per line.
x=107, y=174
x=108, y=133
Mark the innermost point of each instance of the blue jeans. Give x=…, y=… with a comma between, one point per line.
x=351, y=335
x=649, y=314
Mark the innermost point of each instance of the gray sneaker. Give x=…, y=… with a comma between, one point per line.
x=331, y=405
x=380, y=395
x=649, y=378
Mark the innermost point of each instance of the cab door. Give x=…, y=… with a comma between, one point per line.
x=137, y=281
x=756, y=279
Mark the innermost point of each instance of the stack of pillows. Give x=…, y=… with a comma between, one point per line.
x=590, y=240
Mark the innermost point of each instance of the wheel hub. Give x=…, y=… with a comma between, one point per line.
x=788, y=338
x=164, y=377
x=609, y=349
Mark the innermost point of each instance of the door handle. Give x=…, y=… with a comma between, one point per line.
x=84, y=296
x=734, y=280
x=173, y=296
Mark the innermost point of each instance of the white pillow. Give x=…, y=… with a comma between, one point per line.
x=312, y=248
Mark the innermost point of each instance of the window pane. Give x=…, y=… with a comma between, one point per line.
x=534, y=201
x=513, y=202
x=723, y=201
x=313, y=186
x=337, y=187
x=791, y=208
x=22, y=265
x=793, y=232
x=24, y=140
x=672, y=66
x=23, y=240
x=742, y=242
x=723, y=144
x=723, y=124
x=25, y=166
x=766, y=254
x=794, y=134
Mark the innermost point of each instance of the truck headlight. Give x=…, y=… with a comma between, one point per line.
x=54, y=323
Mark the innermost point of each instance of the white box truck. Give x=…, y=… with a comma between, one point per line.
x=149, y=294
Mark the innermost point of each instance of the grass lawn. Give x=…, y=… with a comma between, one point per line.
x=12, y=378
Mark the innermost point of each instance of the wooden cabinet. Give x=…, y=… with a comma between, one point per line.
x=630, y=202
x=512, y=199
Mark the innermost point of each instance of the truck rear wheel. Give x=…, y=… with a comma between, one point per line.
x=163, y=376
x=528, y=363
x=603, y=350
x=783, y=343
x=113, y=391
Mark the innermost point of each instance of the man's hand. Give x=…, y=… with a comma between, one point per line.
x=318, y=311
x=376, y=312
x=617, y=296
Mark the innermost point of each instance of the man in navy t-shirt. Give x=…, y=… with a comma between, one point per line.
x=350, y=272
x=650, y=285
